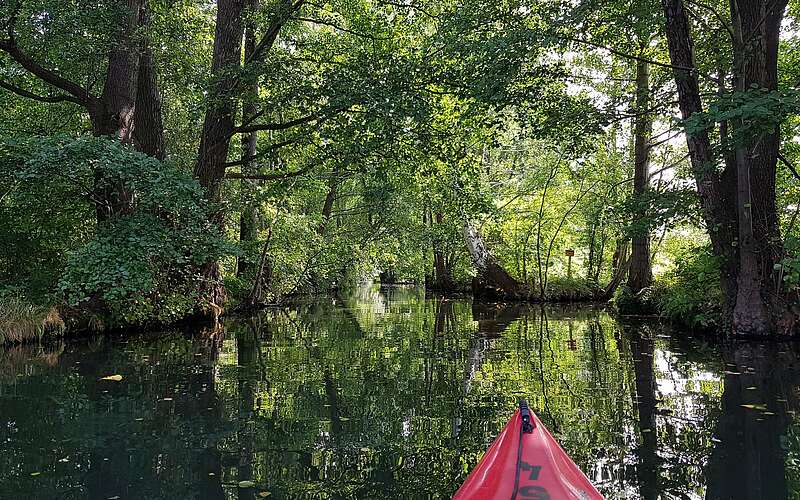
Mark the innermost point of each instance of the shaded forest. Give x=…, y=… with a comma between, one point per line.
x=170, y=159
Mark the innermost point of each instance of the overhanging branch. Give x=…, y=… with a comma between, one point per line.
x=789, y=165
x=273, y=177
x=626, y=55
x=36, y=97
x=81, y=95
x=276, y=126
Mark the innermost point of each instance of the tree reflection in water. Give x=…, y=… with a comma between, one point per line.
x=387, y=394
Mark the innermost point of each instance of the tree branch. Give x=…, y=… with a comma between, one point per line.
x=411, y=6
x=81, y=95
x=269, y=37
x=269, y=149
x=716, y=14
x=36, y=97
x=338, y=28
x=245, y=129
x=789, y=165
x=275, y=176
x=625, y=55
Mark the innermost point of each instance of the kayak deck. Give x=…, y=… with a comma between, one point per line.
x=526, y=464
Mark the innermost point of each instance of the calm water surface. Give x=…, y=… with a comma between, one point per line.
x=386, y=394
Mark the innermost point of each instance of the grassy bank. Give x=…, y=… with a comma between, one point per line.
x=21, y=321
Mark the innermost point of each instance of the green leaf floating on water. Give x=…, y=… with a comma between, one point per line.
x=113, y=378
x=246, y=484
x=754, y=407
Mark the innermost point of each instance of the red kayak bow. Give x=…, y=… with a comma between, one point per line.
x=526, y=462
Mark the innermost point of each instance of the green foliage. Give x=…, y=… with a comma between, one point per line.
x=654, y=210
x=404, y=120
x=755, y=112
x=789, y=268
x=692, y=294
x=43, y=219
x=141, y=266
x=567, y=289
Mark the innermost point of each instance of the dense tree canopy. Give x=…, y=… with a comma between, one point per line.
x=163, y=158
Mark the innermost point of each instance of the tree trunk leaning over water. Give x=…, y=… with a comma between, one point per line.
x=491, y=279
x=619, y=269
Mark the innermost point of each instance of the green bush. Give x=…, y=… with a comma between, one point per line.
x=575, y=288
x=138, y=267
x=691, y=294
x=44, y=218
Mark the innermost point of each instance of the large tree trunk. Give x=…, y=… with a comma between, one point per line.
x=218, y=126
x=113, y=113
x=247, y=219
x=739, y=204
x=130, y=83
x=759, y=308
x=640, y=273
x=148, y=132
x=492, y=279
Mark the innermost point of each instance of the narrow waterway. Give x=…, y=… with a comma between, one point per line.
x=382, y=393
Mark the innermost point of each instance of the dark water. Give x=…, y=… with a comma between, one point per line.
x=383, y=394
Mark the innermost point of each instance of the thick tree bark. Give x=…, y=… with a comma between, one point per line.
x=714, y=189
x=640, y=273
x=113, y=113
x=218, y=126
x=759, y=308
x=492, y=279
x=247, y=219
x=148, y=132
x=442, y=265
